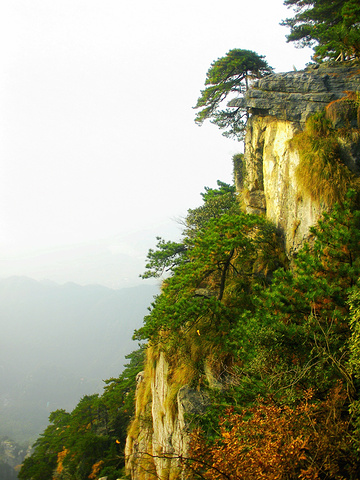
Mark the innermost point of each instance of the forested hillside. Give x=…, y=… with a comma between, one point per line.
x=90, y=439
x=273, y=344
x=280, y=340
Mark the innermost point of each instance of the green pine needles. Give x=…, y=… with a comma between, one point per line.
x=331, y=27
x=229, y=77
x=224, y=253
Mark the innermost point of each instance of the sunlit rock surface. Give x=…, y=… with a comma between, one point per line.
x=294, y=96
x=269, y=185
x=161, y=436
x=279, y=105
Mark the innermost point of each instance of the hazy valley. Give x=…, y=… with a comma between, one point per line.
x=58, y=342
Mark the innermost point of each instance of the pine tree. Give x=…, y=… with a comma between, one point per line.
x=330, y=26
x=226, y=76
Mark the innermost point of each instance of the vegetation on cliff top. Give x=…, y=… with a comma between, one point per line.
x=229, y=75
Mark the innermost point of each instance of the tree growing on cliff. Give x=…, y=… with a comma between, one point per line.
x=331, y=27
x=169, y=255
x=229, y=75
x=204, y=295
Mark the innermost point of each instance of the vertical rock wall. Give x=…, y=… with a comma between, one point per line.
x=160, y=438
x=280, y=105
x=269, y=183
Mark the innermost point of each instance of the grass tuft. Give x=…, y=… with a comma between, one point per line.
x=322, y=171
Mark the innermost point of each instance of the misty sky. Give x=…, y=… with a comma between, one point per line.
x=99, y=151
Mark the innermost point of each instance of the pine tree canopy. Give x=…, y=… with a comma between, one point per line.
x=332, y=27
x=229, y=75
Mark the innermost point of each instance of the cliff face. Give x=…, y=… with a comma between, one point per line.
x=269, y=185
x=160, y=436
x=279, y=106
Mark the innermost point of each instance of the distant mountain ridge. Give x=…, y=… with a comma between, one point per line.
x=58, y=342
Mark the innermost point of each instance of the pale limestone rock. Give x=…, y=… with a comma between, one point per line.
x=162, y=438
x=139, y=438
x=279, y=105
x=270, y=185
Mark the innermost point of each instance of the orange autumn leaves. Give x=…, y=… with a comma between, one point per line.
x=96, y=469
x=60, y=460
x=274, y=442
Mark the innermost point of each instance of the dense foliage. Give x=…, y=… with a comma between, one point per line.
x=278, y=442
x=229, y=75
x=222, y=247
x=282, y=342
x=88, y=442
x=331, y=26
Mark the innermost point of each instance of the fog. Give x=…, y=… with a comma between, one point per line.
x=98, y=145
x=58, y=343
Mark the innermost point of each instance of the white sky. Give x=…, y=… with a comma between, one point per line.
x=99, y=151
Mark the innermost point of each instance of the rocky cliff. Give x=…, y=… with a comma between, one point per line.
x=158, y=436
x=279, y=106
x=11, y=457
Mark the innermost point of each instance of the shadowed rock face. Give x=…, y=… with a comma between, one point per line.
x=294, y=96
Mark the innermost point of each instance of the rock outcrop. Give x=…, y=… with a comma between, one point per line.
x=269, y=184
x=294, y=96
x=279, y=105
x=161, y=434
x=11, y=457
